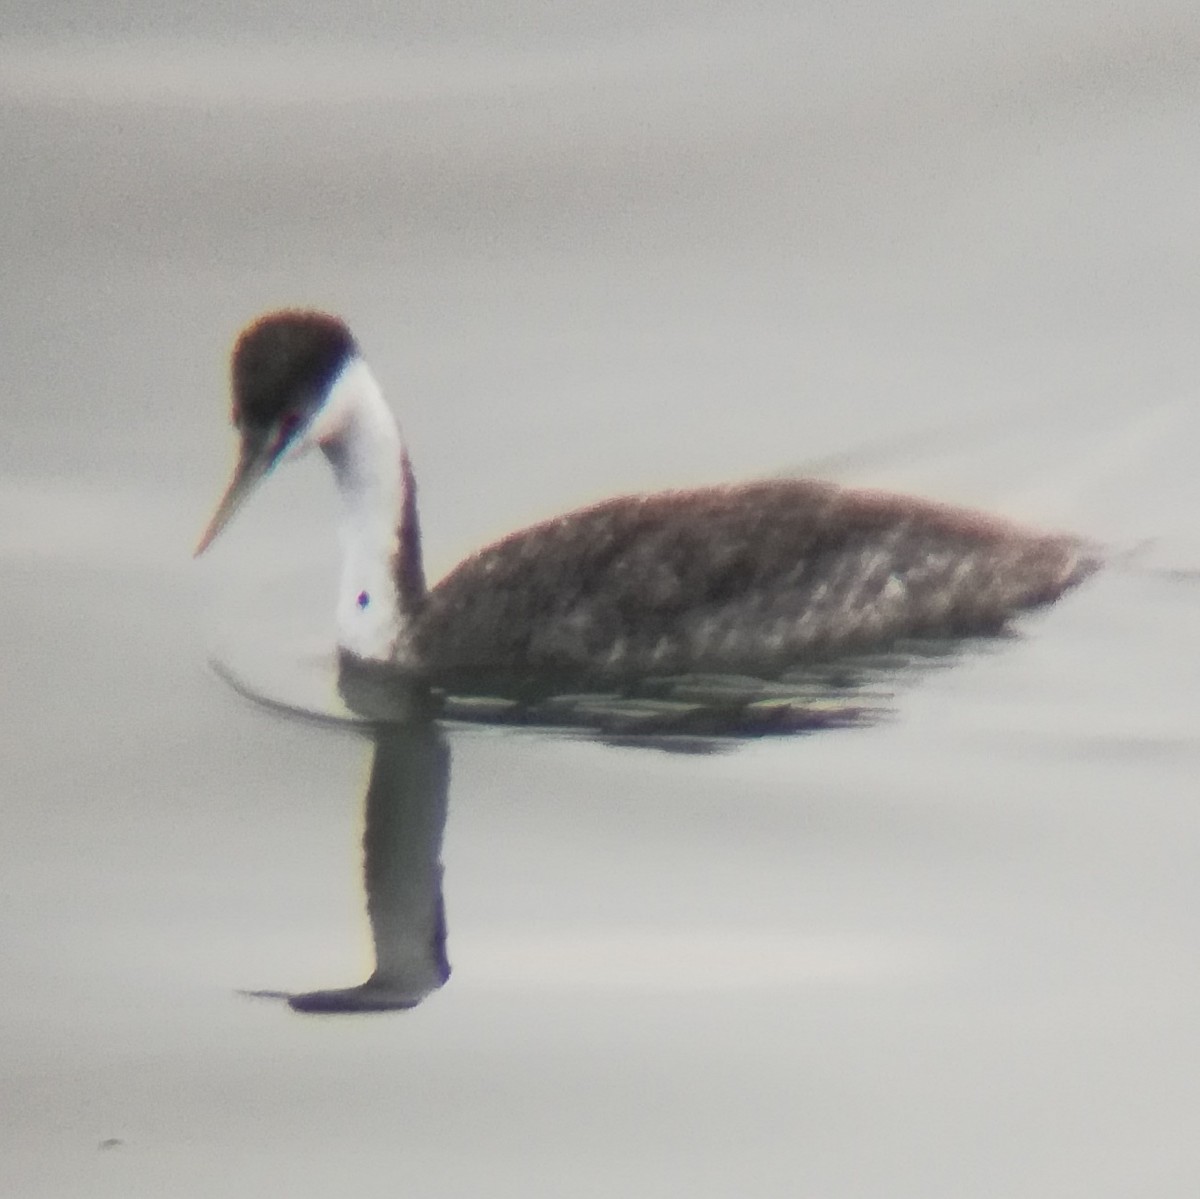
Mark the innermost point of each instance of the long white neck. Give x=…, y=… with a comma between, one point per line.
x=382, y=583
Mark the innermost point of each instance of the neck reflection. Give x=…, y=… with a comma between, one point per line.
x=406, y=806
x=402, y=872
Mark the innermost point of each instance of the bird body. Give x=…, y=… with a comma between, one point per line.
x=747, y=578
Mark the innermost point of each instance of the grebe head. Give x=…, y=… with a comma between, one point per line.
x=283, y=369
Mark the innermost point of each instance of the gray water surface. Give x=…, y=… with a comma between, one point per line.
x=953, y=250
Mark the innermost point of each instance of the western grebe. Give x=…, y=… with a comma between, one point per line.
x=752, y=577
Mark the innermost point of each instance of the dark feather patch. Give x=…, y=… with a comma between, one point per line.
x=284, y=364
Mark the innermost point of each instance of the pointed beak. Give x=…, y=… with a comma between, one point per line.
x=254, y=460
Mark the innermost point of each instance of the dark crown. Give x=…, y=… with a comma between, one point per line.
x=286, y=361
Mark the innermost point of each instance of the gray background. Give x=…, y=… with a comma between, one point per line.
x=950, y=248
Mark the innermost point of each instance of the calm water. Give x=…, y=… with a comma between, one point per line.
x=952, y=954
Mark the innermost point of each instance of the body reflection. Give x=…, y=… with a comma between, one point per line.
x=406, y=806
x=408, y=793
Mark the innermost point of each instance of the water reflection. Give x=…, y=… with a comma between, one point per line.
x=406, y=805
x=713, y=711
x=285, y=664
x=408, y=793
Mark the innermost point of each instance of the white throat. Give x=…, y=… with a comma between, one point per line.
x=361, y=439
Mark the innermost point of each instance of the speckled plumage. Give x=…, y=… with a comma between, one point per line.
x=742, y=578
